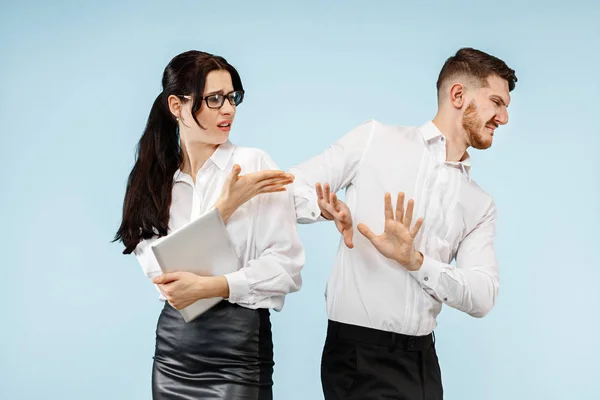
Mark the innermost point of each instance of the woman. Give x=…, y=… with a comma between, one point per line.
x=185, y=166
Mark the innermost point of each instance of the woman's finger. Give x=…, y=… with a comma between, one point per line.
x=235, y=172
x=272, y=181
x=268, y=174
x=276, y=187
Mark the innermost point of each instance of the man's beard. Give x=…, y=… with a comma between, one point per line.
x=474, y=125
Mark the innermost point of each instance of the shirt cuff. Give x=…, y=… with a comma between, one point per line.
x=307, y=208
x=238, y=286
x=309, y=213
x=429, y=274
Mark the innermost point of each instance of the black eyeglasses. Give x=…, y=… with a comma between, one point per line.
x=216, y=101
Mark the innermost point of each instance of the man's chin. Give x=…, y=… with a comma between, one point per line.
x=482, y=142
x=482, y=145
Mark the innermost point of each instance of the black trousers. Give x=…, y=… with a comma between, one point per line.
x=364, y=363
x=226, y=353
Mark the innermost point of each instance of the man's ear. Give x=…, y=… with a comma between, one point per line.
x=457, y=95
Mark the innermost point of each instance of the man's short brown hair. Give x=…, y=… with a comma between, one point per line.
x=477, y=65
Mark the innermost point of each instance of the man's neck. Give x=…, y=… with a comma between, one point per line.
x=456, y=146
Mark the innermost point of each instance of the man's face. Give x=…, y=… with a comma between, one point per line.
x=485, y=112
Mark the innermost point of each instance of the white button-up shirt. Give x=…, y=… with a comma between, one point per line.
x=367, y=289
x=262, y=231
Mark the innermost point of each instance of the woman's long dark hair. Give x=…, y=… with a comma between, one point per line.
x=148, y=195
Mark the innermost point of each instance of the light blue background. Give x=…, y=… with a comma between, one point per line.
x=77, y=82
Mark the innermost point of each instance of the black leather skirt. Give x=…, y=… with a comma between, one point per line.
x=226, y=353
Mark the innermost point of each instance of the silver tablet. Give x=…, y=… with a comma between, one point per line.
x=203, y=247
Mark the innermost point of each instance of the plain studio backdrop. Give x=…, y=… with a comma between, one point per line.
x=78, y=79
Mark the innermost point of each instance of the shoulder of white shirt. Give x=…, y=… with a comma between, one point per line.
x=412, y=132
x=374, y=125
x=254, y=154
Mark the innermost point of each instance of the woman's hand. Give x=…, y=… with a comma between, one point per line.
x=184, y=288
x=239, y=189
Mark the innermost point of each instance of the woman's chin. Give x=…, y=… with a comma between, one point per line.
x=214, y=138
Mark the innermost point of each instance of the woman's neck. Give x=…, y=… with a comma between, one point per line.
x=194, y=155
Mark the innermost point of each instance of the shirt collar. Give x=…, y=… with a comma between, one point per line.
x=222, y=155
x=431, y=134
x=220, y=158
x=430, y=131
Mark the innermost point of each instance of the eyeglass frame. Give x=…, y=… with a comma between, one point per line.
x=225, y=97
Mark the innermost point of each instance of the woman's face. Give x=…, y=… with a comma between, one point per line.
x=215, y=120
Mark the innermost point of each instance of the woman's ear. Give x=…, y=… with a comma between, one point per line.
x=175, y=106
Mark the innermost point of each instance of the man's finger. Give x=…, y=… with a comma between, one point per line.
x=319, y=191
x=344, y=223
x=388, y=212
x=326, y=193
x=400, y=207
x=336, y=206
x=343, y=218
x=409, y=214
x=348, y=233
x=415, y=229
x=366, y=232
x=334, y=200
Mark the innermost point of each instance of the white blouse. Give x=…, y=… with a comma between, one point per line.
x=262, y=231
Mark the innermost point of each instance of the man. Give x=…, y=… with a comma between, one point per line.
x=385, y=291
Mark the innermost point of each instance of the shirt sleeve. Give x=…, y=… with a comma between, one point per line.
x=471, y=286
x=264, y=281
x=148, y=261
x=336, y=166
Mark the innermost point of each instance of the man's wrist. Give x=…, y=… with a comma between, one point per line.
x=326, y=217
x=416, y=262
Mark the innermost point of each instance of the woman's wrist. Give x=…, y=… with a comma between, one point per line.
x=224, y=210
x=221, y=286
x=212, y=286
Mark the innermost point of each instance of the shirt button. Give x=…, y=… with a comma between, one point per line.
x=426, y=278
x=312, y=213
x=445, y=299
